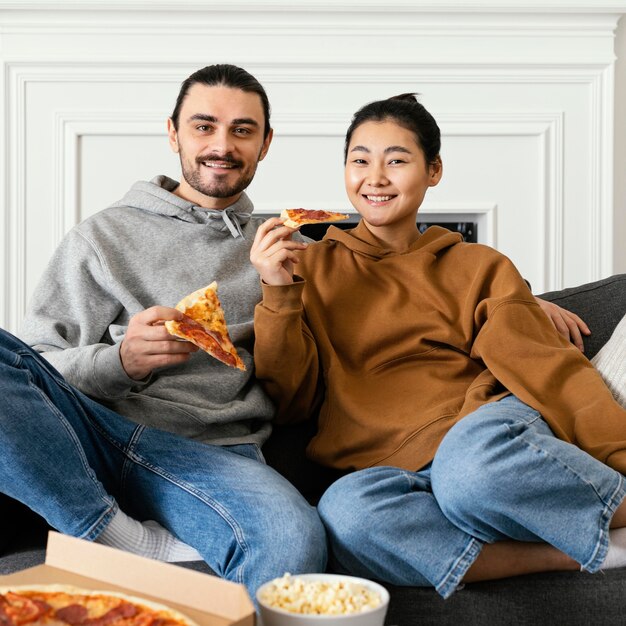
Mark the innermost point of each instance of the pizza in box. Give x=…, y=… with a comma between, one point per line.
x=64, y=605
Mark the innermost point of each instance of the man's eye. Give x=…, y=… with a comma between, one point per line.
x=203, y=128
x=242, y=131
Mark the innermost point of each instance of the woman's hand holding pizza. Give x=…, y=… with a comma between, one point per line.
x=148, y=345
x=273, y=252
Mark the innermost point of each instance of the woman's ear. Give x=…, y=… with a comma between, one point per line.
x=436, y=171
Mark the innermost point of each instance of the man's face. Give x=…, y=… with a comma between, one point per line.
x=220, y=142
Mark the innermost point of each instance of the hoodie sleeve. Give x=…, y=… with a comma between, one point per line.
x=285, y=353
x=70, y=317
x=525, y=353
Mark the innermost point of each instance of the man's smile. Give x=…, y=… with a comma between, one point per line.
x=224, y=163
x=219, y=166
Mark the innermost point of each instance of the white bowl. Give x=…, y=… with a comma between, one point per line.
x=273, y=616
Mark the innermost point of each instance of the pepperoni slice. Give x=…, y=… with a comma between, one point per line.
x=207, y=340
x=21, y=610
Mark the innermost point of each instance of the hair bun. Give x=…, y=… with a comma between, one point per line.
x=406, y=97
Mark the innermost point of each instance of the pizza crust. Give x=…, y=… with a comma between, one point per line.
x=188, y=301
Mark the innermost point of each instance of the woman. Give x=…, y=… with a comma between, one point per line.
x=480, y=443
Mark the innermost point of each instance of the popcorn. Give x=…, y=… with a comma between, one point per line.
x=319, y=597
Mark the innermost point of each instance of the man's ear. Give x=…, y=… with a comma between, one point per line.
x=172, y=135
x=436, y=171
x=266, y=144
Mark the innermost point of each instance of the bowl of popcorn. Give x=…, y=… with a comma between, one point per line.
x=322, y=600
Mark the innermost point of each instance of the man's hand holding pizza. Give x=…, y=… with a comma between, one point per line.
x=273, y=252
x=148, y=345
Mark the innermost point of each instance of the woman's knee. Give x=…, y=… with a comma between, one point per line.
x=467, y=466
x=351, y=504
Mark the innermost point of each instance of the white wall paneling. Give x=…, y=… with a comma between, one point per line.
x=524, y=93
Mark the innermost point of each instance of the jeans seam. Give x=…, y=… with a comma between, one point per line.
x=15, y=358
x=558, y=460
x=70, y=432
x=213, y=504
x=44, y=364
x=599, y=554
x=103, y=521
x=453, y=578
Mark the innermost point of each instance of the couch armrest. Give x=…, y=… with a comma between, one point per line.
x=601, y=304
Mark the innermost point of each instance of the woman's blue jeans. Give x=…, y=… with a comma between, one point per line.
x=499, y=473
x=74, y=462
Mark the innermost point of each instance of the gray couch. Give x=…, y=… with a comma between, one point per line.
x=567, y=598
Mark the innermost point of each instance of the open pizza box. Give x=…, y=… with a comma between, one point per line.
x=205, y=599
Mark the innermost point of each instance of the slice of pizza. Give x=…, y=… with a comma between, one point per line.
x=204, y=324
x=297, y=217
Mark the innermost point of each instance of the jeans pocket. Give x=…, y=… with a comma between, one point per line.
x=249, y=450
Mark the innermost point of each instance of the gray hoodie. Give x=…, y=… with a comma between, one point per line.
x=153, y=248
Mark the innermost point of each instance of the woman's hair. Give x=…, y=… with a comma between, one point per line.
x=406, y=111
x=227, y=76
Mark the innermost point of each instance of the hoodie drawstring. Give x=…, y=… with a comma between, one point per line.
x=232, y=218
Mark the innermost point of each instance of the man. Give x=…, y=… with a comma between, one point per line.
x=186, y=455
x=183, y=462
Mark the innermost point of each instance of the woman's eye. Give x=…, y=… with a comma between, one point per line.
x=396, y=161
x=359, y=161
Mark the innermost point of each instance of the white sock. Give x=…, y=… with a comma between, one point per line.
x=616, y=555
x=147, y=539
x=611, y=362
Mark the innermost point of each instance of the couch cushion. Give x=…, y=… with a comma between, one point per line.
x=559, y=598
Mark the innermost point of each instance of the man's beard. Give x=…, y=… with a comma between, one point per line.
x=215, y=188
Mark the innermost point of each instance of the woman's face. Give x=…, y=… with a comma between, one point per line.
x=387, y=176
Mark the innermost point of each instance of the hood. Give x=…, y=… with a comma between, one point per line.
x=156, y=196
x=361, y=241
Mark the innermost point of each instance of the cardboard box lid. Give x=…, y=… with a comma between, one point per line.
x=207, y=599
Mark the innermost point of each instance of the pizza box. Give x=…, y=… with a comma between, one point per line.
x=205, y=599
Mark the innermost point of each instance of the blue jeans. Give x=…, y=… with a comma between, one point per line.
x=74, y=462
x=499, y=473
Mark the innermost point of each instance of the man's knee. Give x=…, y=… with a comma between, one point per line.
x=11, y=342
x=293, y=534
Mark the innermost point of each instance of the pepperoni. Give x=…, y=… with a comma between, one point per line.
x=207, y=340
x=19, y=609
x=110, y=617
x=73, y=614
x=5, y=620
x=310, y=214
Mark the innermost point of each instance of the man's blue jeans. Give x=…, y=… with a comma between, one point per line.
x=74, y=462
x=499, y=473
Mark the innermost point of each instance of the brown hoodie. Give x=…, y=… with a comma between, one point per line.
x=394, y=348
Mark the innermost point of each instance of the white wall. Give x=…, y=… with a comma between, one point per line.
x=532, y=118
x=620, y=149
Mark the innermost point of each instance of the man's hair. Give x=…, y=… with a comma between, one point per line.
x=224, y=75
x=406, y=111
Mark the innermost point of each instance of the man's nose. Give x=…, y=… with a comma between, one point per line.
x=221, y=142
